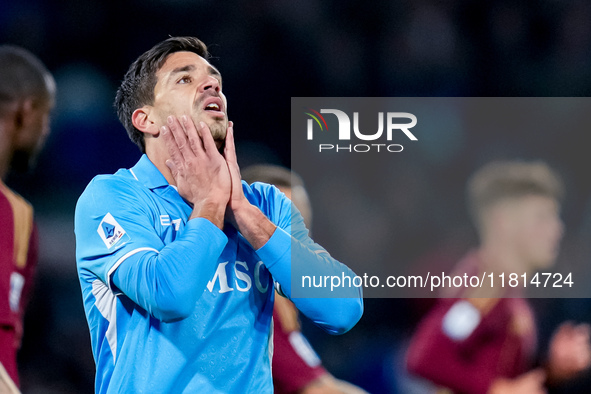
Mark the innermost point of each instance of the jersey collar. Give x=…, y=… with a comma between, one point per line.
x=147, y=173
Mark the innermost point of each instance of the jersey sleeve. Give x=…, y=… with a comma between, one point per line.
x=295, y=363
x=290, y=252
x=29, y=270
x=116, y=242
x=449, y=346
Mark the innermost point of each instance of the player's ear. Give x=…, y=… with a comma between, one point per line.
x=141, y=120
x=23, y=114
x=502, y=219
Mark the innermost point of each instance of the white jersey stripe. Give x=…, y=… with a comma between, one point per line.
x=106, y=303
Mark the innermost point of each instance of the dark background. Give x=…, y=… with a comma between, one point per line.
x=270, y=51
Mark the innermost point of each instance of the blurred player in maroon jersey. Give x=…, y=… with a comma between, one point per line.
x=477, y=342
x=296, y=366
x=27, y=92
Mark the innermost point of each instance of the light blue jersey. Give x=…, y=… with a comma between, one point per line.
x=180, y=306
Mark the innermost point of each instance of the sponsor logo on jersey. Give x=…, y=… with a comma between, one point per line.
x=110, y=231
x=243, y=278
x=165, y=220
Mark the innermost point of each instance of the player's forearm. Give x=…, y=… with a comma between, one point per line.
x=334, y=315
x=212, y=210
x=167, y=284
x=434, y=356
x=253, y=224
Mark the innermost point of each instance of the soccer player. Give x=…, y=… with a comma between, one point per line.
x=477, y=342
x=27, y=92
x=177, y=258
x=296, y=366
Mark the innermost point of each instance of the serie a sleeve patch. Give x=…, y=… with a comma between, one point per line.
x=111, y=232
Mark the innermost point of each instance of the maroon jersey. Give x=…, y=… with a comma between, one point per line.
x=295, y=364
x=464, y=344
x=18, y=257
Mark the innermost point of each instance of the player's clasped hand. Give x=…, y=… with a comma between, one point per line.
x=531, y=382
x=237, y=198
x=570, y=351
x=199, y=170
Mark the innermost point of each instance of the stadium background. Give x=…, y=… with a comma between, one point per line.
x=269, y=51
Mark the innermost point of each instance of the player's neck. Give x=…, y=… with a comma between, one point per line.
x=158, y=158
x=500, y=257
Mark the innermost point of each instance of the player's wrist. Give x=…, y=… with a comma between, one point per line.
x=212, y=210
x=245, y=214
x=242, y=208
x=253, y=224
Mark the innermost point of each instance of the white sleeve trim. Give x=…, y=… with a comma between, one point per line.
x=302, y=347
x=461, y=320
x=121, y=260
